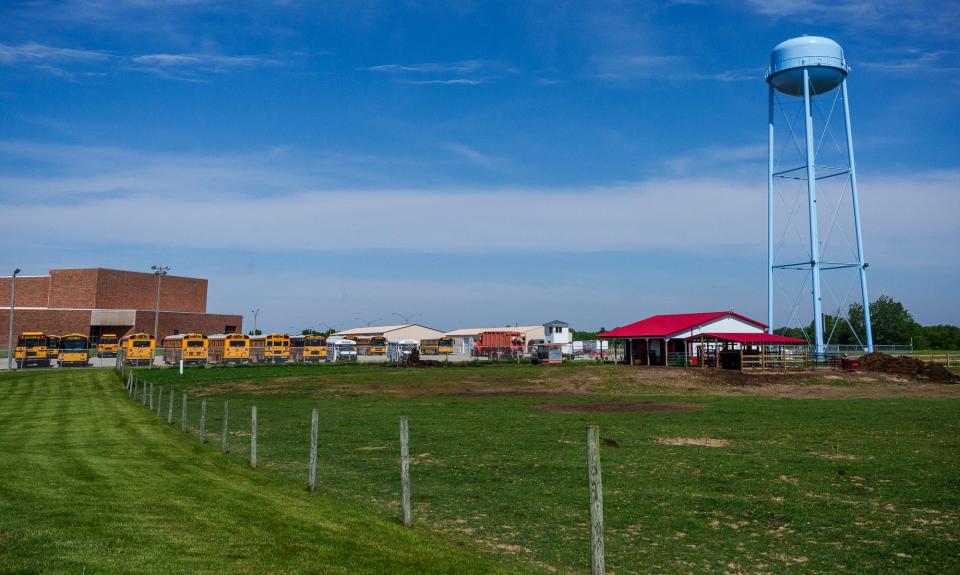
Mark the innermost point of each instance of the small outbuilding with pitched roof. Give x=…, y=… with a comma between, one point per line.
x=651, y=341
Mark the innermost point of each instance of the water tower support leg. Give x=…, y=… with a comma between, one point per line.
x=812, y=207
x=770, y=143
x=856, y=220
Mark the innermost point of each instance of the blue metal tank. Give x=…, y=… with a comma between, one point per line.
x=822, y=57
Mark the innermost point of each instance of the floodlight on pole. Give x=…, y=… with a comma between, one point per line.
x=255, y=313
x=406, y=318
x=369, y=322
x=13, y=294
x=159, y=271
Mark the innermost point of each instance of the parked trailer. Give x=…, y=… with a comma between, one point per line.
x=494, y=344
x=441, y=346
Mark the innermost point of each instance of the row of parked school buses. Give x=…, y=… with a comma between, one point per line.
x=38, y=349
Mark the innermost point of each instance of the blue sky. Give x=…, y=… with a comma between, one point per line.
x=469, y=162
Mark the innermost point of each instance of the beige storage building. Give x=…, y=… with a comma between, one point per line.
x=393, y=332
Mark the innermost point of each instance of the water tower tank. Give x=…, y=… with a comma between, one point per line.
x=822, y=57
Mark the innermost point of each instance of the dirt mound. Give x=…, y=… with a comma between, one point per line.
x=619, y=407
x=908, y=366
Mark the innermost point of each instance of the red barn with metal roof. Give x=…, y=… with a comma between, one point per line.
x=651, y=340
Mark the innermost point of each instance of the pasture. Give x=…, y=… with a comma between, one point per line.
x=703, y=472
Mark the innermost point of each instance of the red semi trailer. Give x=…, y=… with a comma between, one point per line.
x=496, y=344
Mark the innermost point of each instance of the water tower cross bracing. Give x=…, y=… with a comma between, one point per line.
x=806, y=74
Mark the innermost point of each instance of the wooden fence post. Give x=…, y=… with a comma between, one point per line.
x=143, y=392
x=405, y=470
x=253, y=437
x=159, y=400
x=135, y=390
x=170, y=409
x=203, y=421
x=314, y=423
x=223, y=436
x=596, y=500
x=150, y=405
x=183, y=412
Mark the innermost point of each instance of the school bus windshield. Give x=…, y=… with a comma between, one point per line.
x=72, y=344
x=30, y=341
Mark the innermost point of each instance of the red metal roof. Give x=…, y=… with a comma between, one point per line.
x=771, y=338
x=670, y=324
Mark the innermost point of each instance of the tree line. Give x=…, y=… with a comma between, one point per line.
x=892, y=325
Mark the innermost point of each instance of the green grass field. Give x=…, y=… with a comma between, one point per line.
x=866, y=481
x=90, y=483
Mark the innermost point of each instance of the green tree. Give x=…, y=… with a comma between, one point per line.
x=892, y=323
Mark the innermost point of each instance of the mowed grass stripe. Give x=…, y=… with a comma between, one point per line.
x=92, y=482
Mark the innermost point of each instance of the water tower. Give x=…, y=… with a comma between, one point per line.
x=807, y=80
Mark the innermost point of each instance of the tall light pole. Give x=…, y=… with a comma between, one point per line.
x=406, y=318
x=158, y=271
x=367, y=321
x=13, y=294
x=255, y=313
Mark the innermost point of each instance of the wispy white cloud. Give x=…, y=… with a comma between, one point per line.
x=475, y=156
x=461, y=81
x=915, y=17
x=913, y=60
x=33, y=53
x=668, y=67
x=73, y=63
x=259, y=191
x=462, y=67
x=464, y=72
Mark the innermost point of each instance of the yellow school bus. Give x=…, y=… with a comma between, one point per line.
x=138, y=349
x=229, y=348
x=107, y=345
x=32, y=350
x=190, y=347
x=314, y=348
x=74, y=351
x=445, y=345
x=276, y=348
x=378, y=345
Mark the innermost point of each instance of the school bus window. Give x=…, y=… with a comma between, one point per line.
x=141, y=343
x=194, y=343
x=30, y=341
x=74, y=343
x=237, y=343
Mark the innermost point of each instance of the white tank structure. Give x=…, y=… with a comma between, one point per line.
x=812, y=71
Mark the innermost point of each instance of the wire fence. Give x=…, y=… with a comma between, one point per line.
x=238, y=428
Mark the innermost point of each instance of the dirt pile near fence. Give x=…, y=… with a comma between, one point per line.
x=908, y=366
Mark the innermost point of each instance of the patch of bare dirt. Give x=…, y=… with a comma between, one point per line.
x=515, y=393
x=700, y=441
x=619, y=407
